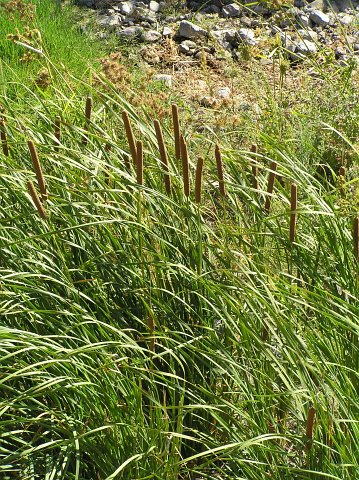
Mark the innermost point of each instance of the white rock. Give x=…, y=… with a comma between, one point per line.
x=346, y=19
x=232, y=10
x=319, y=18
x=163, y=78
x=167, y=32
x=151, y=36
x=310, y=35
x=126, y=8
x=247, y=36
x=110, y=21
x=190, y=30
x=304, y=48
x=224, y=92
x=154, y=6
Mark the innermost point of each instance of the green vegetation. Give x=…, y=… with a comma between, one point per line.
x=147, y=335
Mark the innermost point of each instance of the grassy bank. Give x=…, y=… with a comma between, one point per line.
x=152, y=328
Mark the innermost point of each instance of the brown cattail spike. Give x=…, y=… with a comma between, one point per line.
x=341, y=179
x=273, y=168
x=163, y=155
x=199, y=171
x=88, y=111
x=38, y=170
x=36, y=200
x=254, y=170
x=57, y=133
x=185, y=166
x=220, y=170
x=356, y=238
x=3, y=138
x=293, y=209
x=139, y=162
x=176, y=131
x=130, y=136
x=310, y=424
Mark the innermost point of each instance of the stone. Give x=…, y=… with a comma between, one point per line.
x=167, y=32
x=224, y=92
x=308, y=34
x=163, y=78
x=232, y=10
x=346, y=19
x=184, y=49
x=356, y=47
x=110, y=21
x=130, y=33
x=226, y=38
x=190, y=30
x=126, y=8
x=319, y=18
x=247, y=36
x=151, y=36
x=154, y=6
x=304, y=48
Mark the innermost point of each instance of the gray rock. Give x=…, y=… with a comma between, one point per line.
x=190, y=30
x=110, y=21
x=226, y=38
x=319, y=18
x=184, y=49
x=247, y=36
x=151, y=36
x=126, y=8
x=167, y=32
x=356, y=47
x=154, y=6
x=224, y=92
x=232, y=10
x=163, y=78
x=303, y=49
x=130, y=33
x=345, y=19
x=308, y=34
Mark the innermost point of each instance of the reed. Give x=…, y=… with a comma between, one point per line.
x=88, y=112
x=255, y=183
x=356, y=237
x=293, y=209
x=272, y=174
x=185, y=166
x=139, y=162
x=36, y=200
x=220, y=170
x=57, y=133
x=176, y=131
x=38, y=169
x=310, y=427
x=163, y=156
x=199, y=176
x=130, y=136
x=3, y=138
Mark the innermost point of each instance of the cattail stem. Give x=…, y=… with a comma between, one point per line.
x=199, y=171
x=36, y=200
x=254, y=170
x=139, y=162
x=38, y=170
x=185, y=166
x=57, y=133
x=88, y=112
x=309, y=427
x=220, y=170
x=3, y=138
x=176, y=131
x=130, y=136
x=293, y=214
x=356, y=238
x=163, y=155
x=273, y=167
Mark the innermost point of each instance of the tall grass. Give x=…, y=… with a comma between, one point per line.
x=147, y=335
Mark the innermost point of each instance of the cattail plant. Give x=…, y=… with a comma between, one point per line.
x=273, y=168
x=185, y=166
x=130, y=136
x=176, y=131
x=57, y=133
x=139, y=162
x=36, y=200
x=220, y=170
x=254, y=170
x=199, y=172
x=163, y=155
x=309, y=427
x=38, y=170
x=3, y=138
x=356, y=237
x=341, y=179
x=88, y=112
x=293, y=210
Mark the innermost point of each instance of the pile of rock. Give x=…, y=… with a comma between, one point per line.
x=301, y=29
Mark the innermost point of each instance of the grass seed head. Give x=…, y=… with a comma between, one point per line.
x=38, y=170
x=220, y=170
x=163, y=155
x=199, y=172
x=185, y=166
x=36, y=200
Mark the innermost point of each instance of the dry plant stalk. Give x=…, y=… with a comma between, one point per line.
x=151, y=324
x=254, y=170
x=176, y=131
x=341, y=179
x=356, y=238
x=199, y=171
x=130, y=136
x=273, y=167
x=163, y=155
x=185, y=166
x=220, y=170
x=57, y=133
x=88, y=112
x=3, y=138
x=309, y=427
x=293, y=208
x=139, y=162
x=38, y=170
x=36, y=200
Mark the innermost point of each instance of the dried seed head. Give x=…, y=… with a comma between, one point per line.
x=199, y=172
x=271, y=178
x=36, y=200
x=130, y=136
x=176, y=131
x=185, y=166
x=38, y=170
x=163, y=155
x=3, y=138
x=310, y=425
x=220, y=170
